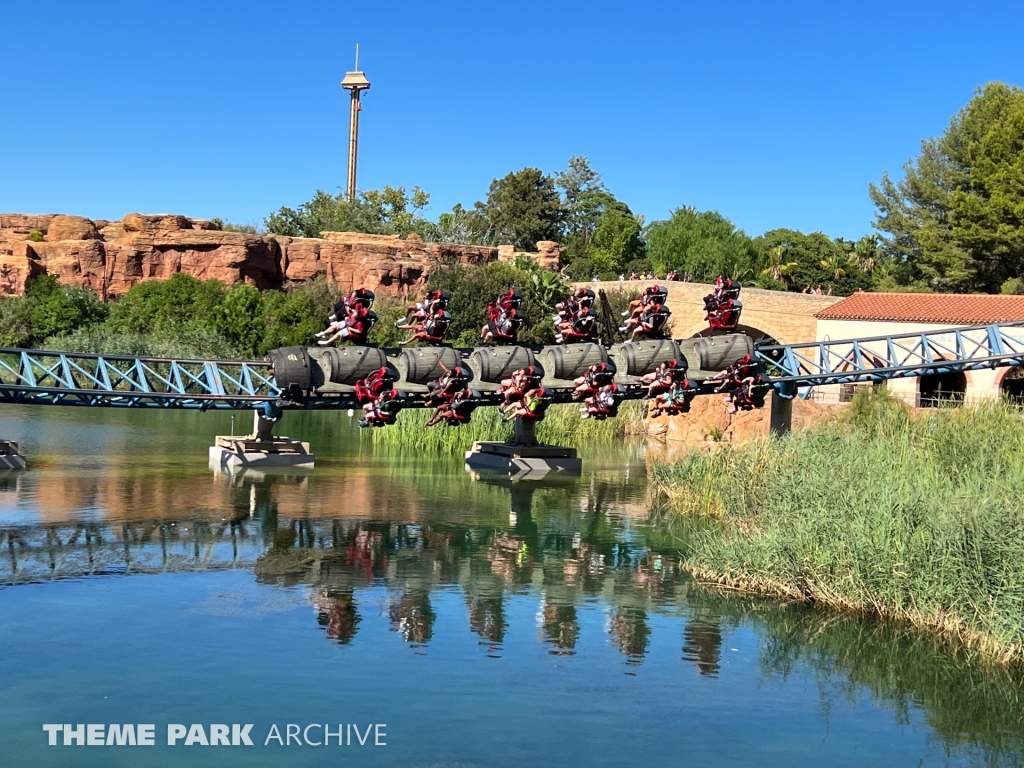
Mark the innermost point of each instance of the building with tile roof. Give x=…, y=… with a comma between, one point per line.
x=884, y=314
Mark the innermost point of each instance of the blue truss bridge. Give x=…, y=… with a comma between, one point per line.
x=43, y=377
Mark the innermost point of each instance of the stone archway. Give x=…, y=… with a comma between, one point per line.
x=1011, y=385
x=939, y=389
x=703, y=331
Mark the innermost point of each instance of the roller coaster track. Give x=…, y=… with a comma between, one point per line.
x=879, y=358
x=43, y=377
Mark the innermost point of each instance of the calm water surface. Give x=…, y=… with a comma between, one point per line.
x=484, y=624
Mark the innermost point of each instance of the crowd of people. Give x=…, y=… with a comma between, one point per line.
x=523, y=396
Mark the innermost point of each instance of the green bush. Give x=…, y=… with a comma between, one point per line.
x=472, y=287
x=877, y=512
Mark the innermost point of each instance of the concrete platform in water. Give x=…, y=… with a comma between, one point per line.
x=10, y=455
x=233, y=452
x=523, y=460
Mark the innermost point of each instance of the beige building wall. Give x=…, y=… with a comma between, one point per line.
x=981, y=384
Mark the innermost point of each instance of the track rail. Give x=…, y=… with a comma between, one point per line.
x=44, y=377
x=879, y=358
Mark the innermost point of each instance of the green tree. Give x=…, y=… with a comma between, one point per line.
x=780, y=268
x=390, y=211
x=522, y=208
x=617, y=239
x=472, y=287
x=956, y=219
x=584, y=198
x=56, y=309
x=703, y=243
x=798, y=260
x=462, y=225
x=168, y=306
x=238, y=317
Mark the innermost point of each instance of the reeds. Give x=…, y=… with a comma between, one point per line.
x=916, y=518
x=561, y=426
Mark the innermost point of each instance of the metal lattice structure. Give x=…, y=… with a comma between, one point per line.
x=64, y=378
x=878, y=358
x=44, y=377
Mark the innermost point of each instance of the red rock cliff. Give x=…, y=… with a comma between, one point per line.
x=111, y=257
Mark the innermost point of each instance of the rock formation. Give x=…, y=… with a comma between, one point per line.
x=111, y=257
x=709, y=424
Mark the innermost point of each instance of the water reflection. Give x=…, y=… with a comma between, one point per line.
x=342, y=537
x=702, y=643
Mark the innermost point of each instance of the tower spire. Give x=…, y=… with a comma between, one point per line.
x=355, y=82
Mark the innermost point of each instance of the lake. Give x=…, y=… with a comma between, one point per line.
x=449, y=619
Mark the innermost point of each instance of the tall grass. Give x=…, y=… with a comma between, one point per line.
x=561, y=426
x=918, y=518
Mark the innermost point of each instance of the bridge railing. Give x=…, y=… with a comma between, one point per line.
x=848, y=361
x=65, y=378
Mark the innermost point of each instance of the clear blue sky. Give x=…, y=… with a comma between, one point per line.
x=775, y=114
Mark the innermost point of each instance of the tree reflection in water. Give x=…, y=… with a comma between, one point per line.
x=702, y=643
x=571, y=550
x=561, y=628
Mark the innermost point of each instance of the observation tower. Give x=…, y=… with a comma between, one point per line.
x=354, y=82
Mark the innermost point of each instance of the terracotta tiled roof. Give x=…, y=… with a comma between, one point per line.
x=949, y=308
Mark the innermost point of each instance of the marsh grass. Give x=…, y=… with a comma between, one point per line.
x=878, y=511
x=561, y=426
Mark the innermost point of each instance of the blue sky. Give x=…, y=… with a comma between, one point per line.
x=775, y=114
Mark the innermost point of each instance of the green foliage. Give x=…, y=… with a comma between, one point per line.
x=390, y=211
x=793, y=260
x=471, y=287
x=227, y=226
x=617, y=239
x=462, y=226
x=15, y=322
x=876, y=511
x=598, y=227
x=168, y=306
x=522, y=208
x=237, y=318
x=561, y=426
x=955, y=219
x=61, y=309
x=36, y=236
x=1013, y=286
x=194, y=343
x=703, y=243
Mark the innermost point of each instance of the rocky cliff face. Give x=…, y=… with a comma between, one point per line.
x=111, y=257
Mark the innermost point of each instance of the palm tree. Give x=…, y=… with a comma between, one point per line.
x=834, y=264
x=865, y=254
x=778, y=268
